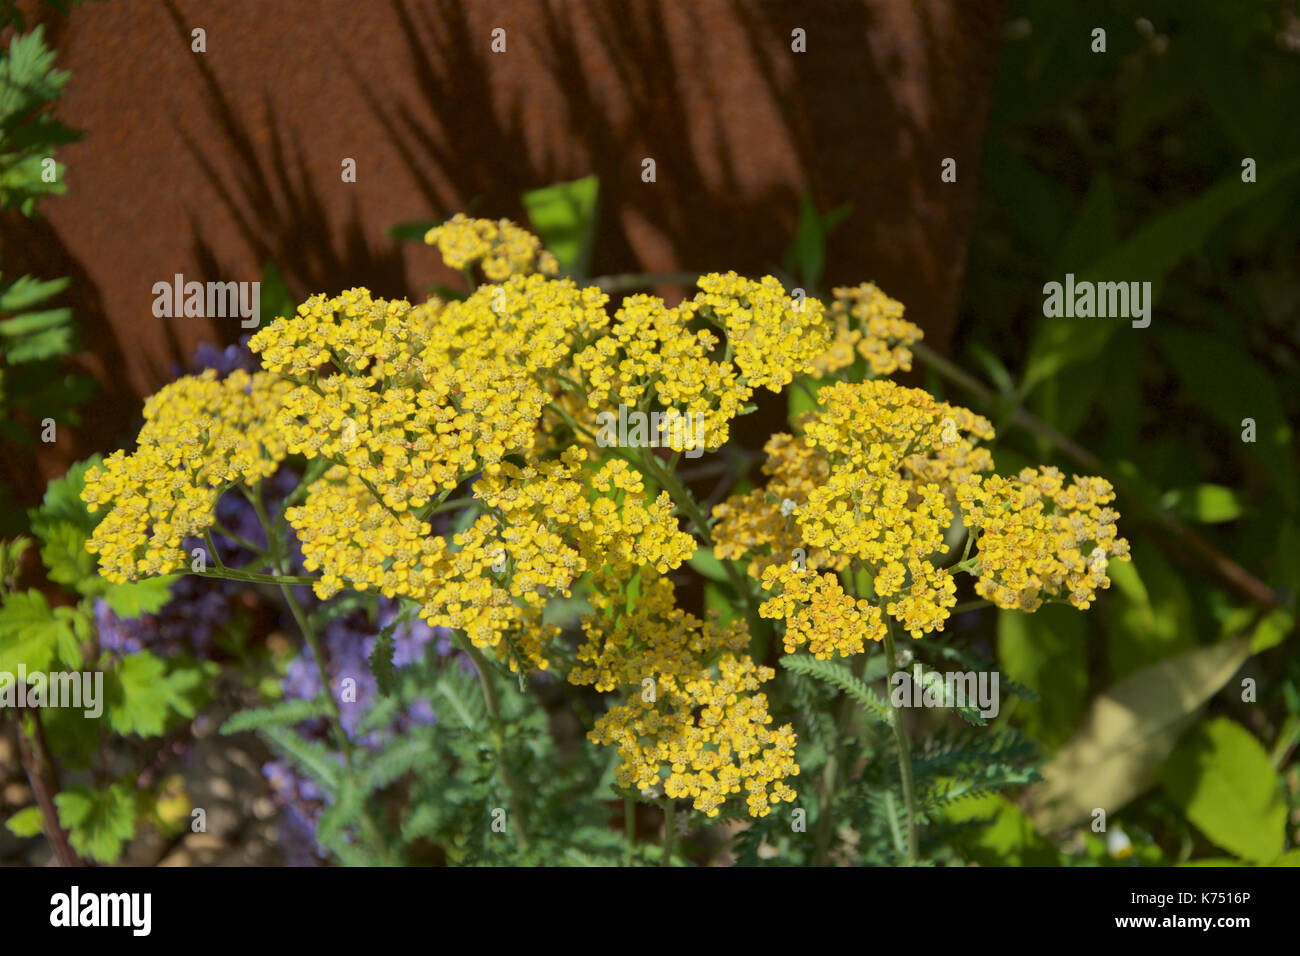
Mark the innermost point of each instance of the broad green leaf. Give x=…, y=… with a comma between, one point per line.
x=1148, y=614
x=1222, y=779
x=721, y=599
x=99, y=821
x=706, y=564
x=1046, y=651
x=564, y=218
x=1254, y=394
x=1093, y=229
x=1272, y=630
x=1289, y=858
x=276, y=301
x=1008, y=838
x=1127, y=731
x=806, y=256
x=74, y=631
x=1204, y=504
x=1214, y=861
x=25, y=823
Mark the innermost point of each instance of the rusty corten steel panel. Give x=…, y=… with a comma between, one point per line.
x=208, y=164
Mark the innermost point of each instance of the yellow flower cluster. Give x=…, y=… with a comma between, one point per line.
x=491, y=397
x=200, y=435
x=501, y=247
x=819, y=613
x=762, y=524
x=692, y=718
x=871, y=324
x=870, y=482
x=656, y=357
x=1040, y=539
x=771, y=336
x=413, y=400
x=356, y=542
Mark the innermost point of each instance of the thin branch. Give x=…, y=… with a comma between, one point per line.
x=40, y=776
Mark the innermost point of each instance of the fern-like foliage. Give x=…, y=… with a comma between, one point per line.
x=843, y=678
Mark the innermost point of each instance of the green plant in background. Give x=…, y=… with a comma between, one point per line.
x=34, y=335
x=1156, y=161
x=98, y=798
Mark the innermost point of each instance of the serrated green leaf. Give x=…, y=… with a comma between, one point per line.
x=64, y=554
x=145, y=596
x=381, y=659
x=62, y=501
x=29, y=324
x=308, y=756
x=840, y=676
x=27, y=822
x=43, y=345
x=25, y=292
x=1002, y=835
x=29, y=632
x=139, y=695
x=283, y=714
x=73, y=632
x=99, y=821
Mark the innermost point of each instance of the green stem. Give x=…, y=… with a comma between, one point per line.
x=238, y=539
x=684, y=500
x=629, y=831
x=830, y=773
x=904, y=753
x=279, y=562
x=249, y=577
x=207, y=537
x=498, y=734
x=670, y=831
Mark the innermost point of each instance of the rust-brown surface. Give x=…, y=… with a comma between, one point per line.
x=209, y=164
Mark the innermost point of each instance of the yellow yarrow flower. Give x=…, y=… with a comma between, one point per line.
x=501, y=247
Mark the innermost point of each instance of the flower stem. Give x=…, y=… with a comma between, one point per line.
x=670, y=831
x=629, y=830
x=250, y=577
x=279, y=564
x=904, y=753
x=498, y=732
x=684, y=500
x=39, y=767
